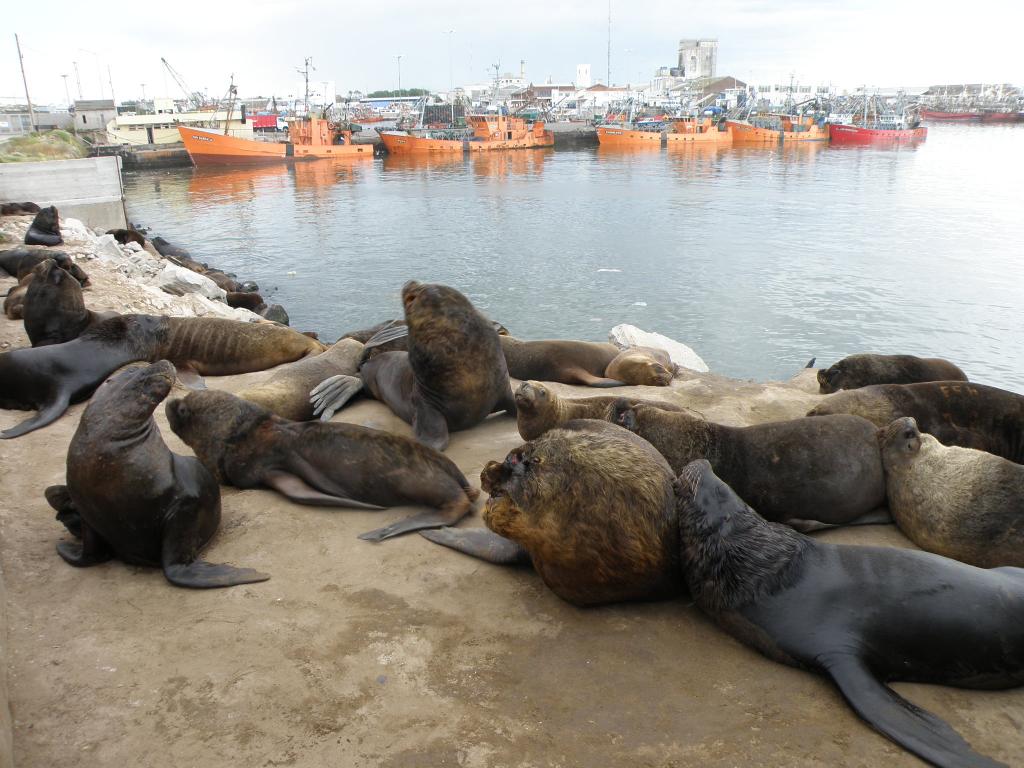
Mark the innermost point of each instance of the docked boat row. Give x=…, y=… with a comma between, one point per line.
x=485, y=132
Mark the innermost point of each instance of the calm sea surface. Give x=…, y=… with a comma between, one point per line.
x=757, y=258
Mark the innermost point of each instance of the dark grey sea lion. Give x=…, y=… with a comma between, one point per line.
x=803, y=472
x=858, y=371
x=958, y=502
x=454, y=362
x=956, y=413
x=590, y=506
x=863, y=616
x=128, y=496
x=19, y=262
x=54, y=309
x=45, y=228
x=342, y=465
x=49, y=378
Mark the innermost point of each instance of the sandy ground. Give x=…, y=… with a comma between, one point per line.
x=402, y=653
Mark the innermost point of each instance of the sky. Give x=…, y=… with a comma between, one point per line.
x=880, y=43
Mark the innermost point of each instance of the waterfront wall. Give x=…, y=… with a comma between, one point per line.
x=6, y=723
x=88, y=189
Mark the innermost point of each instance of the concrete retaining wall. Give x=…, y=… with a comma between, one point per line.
x=88, y=189
x=6, y=725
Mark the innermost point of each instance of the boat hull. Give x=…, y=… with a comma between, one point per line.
x=751, y=135
x=857, y=135
x=403, y=143
x=685, y=132
x=618, y=136
x=207, y=148
x=949, y=117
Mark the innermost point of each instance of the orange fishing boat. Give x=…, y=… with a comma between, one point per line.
x=778, y=129
x=487, y=132
x=631, y=134
x=699, y=130
x=310, y=138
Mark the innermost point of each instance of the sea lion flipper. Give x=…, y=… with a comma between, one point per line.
x=384, y=335
x=448, y=515
x=429, y=425
x=913, y=728
x=190, y=377
x=58, y=497
x=47, y=415
x=331, y=394
x=301, y=492
x=479, y=543
x=587, y=379
x=200, y=574
x=91, y=550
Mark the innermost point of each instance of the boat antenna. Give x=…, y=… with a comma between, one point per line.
x=308, y=63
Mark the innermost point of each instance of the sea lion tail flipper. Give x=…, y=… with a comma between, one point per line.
x=385, y=335
x=181, y=539
x=331, y=394
x=47, y=415
x=480, y=543
x=447, y=515
x=587, y=379
x=913, y=728
x=200, y=574
x=59, y=498
x=811, y=362
x=91, y=550
x=190, y=377
x=301, y=492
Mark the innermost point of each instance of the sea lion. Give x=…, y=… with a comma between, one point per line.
x=14, y=302
x=538, y=409
x=957, y=502
x=803, y=472
x=286, y=392
x=956, y=413
x=54, y=310
x=860, y=615
x=49, y=378
x=19, y=262
x=125, y=236
x=245, y=300
x=344, y=465
x=128, y=496
x=644, y=366
x=590, y=506
x=858, y=371
x=18, y=209
x=45, y=228
x=454, y=363
x=566, y=362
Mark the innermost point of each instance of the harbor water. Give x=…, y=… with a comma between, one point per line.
x=759, y=259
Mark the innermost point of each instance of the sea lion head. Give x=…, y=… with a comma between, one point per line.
x=131, y=395
x=65, y=262
x=426, y=304
x=709, y=504
x=532, y=396
x=623, y=413
x=900, y=442
x=211, y=422
x=830, y=379
x=47, y=220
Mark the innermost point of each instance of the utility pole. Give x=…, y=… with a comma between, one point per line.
x=142, y=103
x=398, y=58
x=110, y=79
x=78, y=79
x=305, y=74
x=67, y=95
x=24, y=80
x=451, y=75
x=609, y=43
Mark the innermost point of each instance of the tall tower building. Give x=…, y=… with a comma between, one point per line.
x=698, y=58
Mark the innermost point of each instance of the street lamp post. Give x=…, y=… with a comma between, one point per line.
x=398, y=58
x=451, y=75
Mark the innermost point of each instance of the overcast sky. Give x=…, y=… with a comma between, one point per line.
x=873, y=42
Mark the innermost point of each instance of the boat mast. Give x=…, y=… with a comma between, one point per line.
x=308, y=62
x=232, y=93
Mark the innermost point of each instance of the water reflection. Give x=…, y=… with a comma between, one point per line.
x=500, y=165
x=226, y=185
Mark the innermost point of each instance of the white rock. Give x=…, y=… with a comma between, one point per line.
x=107, y=249
x=180, y=281
x=74, y=231
x=625, y=336
x=133, y=246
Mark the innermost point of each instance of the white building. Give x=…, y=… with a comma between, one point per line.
x=583, y=76
x=94, y=114
x=698, y=57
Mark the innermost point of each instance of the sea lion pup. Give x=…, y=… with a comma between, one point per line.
x=125, y=236
x=861, y=615
x=538, y=409
x=804, y=472
x=858, y=371
x=245, y=300
x=452, y=377
x=590, y=506
x=644, y=366
x=955, y=413
x=128, y=496
x=344, y=465
x=286, y=393
x=957, y=502
x=45, y=228
x=54, y=310
x=49, y=378
x=19, y=262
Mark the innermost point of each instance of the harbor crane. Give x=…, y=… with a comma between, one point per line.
x=194, y=99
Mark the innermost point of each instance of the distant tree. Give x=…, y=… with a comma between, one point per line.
x=403, y=92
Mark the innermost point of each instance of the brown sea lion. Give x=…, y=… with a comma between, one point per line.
x=858, y=371
x=956, y=413
x=863, y=616
x=538, y=409
x=45, y=228
x=49, y=378
x=14, y=302
x=19, y=262
x=590, y=506
x=344, y=465
x=54, y=310
x=643, y=366
x=18, y=209
x=125, y=236
x=566, y=362
x=245, y=300
x=454, y=363
x=804, y=472
x=286, y=392
x=128, y=496
x=957, y=502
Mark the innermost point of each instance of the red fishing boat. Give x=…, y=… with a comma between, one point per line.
x=942, y=116
x=859, y=134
